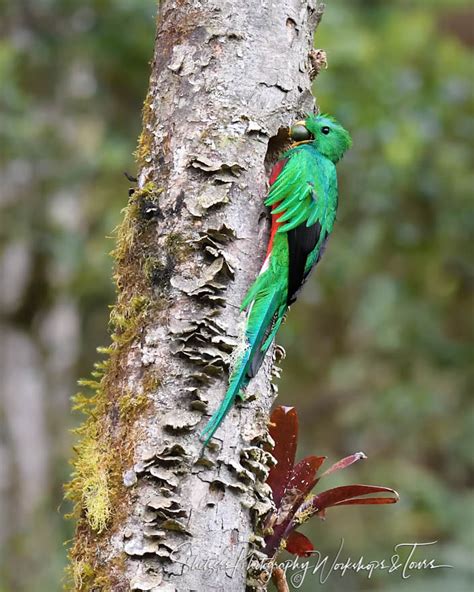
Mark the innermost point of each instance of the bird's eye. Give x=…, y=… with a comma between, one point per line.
x=325, y=130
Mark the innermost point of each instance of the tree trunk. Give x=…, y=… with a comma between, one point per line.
x=152, y=514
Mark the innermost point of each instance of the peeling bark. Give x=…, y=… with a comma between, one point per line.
x=152, y=513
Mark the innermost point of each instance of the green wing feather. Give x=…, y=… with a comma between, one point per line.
x=305, y=190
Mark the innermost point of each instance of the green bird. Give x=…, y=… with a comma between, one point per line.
x=303, y=199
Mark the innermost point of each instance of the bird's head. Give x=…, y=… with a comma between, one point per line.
x=325, y=133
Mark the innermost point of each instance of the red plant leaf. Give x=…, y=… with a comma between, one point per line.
x=370, y=501
x=292, y=483
x=346, y=495
x=344, y=463
x=302, y=480
x=299, y=545
x=303, y=476
x=283, y=428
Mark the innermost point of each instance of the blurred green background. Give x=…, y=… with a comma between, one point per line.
x=379, y=343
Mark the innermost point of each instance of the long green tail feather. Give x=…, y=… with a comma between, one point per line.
x=259, y=319
x=236, y=384
x=256, y=289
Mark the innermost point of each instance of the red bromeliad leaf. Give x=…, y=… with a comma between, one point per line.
x=292, y=483
x=370, y=501
x=348, y=495
x=344, y=462
x=299, y=545
x=301, y=482
x=303, y=476
x=283, y=428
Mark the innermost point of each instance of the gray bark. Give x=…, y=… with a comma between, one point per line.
x=226, y=77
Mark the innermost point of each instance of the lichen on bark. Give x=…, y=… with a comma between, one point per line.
x=225, y=79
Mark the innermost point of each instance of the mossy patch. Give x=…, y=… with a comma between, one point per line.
x=106, y=438
x=82, y=573
x=91, y=472
x=105, y=449
x=126, y=319
x=126, y=232
x=177, y=246
x=145, y=141
x=85, y=575
x=89, y=486
x=151, y=381
x=131, y=405
x=159, y=274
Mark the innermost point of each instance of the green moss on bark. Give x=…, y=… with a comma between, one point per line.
x=131, y=405
x=178, y=247
x=106, y=438
x=145, y=140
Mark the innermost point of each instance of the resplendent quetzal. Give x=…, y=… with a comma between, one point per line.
x=303, y=197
